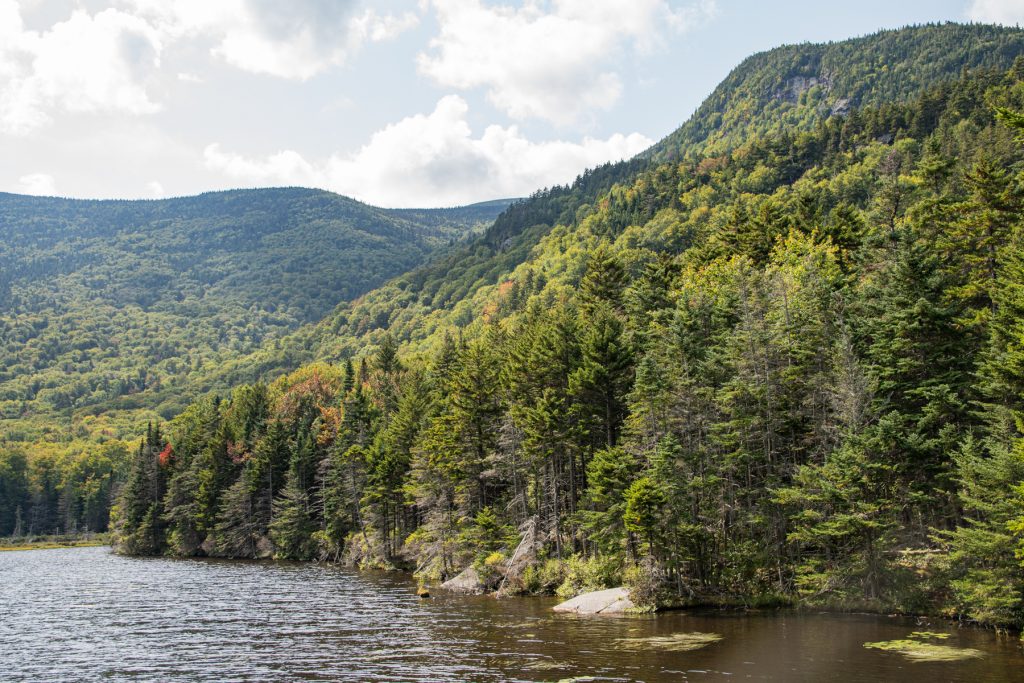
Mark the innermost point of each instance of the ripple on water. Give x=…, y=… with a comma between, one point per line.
x=87, y=615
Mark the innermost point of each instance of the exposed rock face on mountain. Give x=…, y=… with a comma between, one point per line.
x=796, y=86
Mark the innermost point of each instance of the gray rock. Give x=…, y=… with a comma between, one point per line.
x=468, y=581
x=841, y=107
x=611, y=601
x=264, y=548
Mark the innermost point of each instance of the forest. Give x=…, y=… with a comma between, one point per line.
x=781, y=367
x=106, y=307
x=767, y=388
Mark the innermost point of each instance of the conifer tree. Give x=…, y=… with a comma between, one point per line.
x=604, y=377
x=604, y=281
x=292, y=529
x=986, y=577
x=610, y=473
x=142, y=525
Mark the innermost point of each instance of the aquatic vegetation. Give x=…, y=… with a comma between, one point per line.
x=677, y=642
x=546, y=665
x=529, y=623
x=914, y=649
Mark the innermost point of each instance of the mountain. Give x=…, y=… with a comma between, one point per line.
x=770, y=362
x=755, y=103
x=793, y=88
x=101, y=301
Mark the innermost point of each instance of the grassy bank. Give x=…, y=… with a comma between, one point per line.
x=53, y=542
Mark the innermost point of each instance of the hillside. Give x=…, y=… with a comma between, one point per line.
x=917, y=64
x=781, y=366
x=101, y=301
x=791, y=89
x=787, y=374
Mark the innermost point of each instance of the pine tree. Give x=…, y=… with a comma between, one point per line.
x=292, y=529
x=141, y=524
x=390, y=460
x=349, y=378
x=986, y=579
x=649, y=299
x=921, y=362
x=435, y=476
x=475, y=409
x=14, y=491
x=644, y=512
x=841, y=513
x=609, y=474
x=975, y=240
x=604, y=281
x=604, y=377
x=184, y=537
x=240, y=525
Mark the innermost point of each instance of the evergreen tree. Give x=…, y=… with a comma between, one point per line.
x=292, y=529
x=610, y=472
x=986, y=578
x=644, y=512
x=141, y=525
x=604, y=377
x=604, y=281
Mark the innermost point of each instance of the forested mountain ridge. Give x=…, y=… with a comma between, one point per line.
x=792, y=88
x=921, y=63
x=788, y=373
x=104, y=302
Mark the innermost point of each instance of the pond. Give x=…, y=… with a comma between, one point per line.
x=85, y=614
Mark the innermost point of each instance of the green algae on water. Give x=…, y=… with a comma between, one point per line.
x=677, y=642
x=917, y=651
x=546, y=665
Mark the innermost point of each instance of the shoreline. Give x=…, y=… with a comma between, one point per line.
x=749, y=605
x=723, y=604
x=51, y=546
x=53, y=543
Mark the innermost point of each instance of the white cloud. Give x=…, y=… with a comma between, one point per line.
x=1010, y=12
x=551, y=64
x=296, y=39
x=107, y=61
x=371, y=27
x=434, y=160
x=155, y=189
x=88, y=63
x=38, y=184
x=283, y=168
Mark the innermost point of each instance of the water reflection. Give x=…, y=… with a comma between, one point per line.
x=84, y=614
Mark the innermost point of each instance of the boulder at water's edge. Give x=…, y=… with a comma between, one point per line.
x=611, y=601
x=468, y=581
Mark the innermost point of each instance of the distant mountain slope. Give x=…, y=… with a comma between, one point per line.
x=788, y=373
x=921, y=64
x=104, y=299
x=792, y=88
x=764, y=98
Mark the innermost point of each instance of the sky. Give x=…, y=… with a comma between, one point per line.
x=398, y=103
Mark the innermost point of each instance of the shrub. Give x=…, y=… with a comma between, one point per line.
x=646, y=583
x=583, y=575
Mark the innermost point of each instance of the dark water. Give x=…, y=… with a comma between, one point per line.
x=84, y=615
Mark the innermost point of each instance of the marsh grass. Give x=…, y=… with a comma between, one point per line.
x=52, y=542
